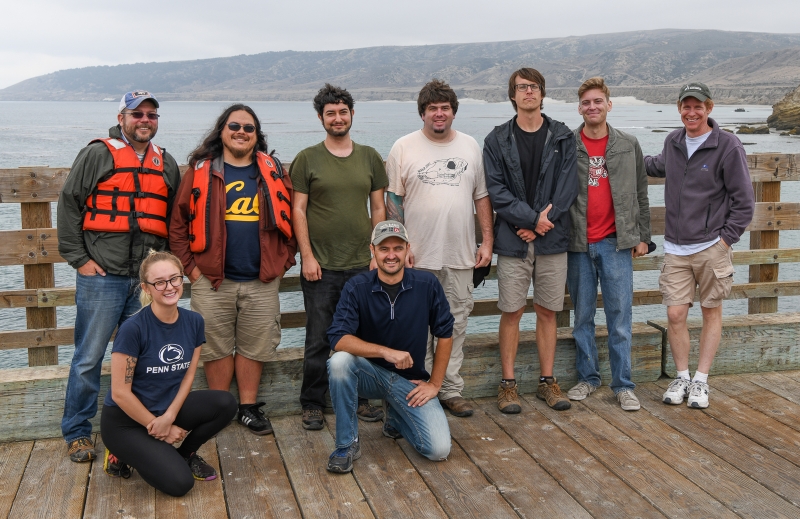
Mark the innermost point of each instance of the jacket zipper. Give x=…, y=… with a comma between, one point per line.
x=391, y=303
x=708, y=216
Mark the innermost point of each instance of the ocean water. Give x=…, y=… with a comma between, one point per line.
x=52, y=133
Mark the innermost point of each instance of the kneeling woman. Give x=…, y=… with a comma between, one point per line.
x=151, y=406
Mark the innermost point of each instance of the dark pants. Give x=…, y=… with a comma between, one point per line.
x=161, y=465
x=320, y=299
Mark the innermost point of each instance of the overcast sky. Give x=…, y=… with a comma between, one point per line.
x=42, y=36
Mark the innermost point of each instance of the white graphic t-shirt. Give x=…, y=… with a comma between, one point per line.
x=439, y=183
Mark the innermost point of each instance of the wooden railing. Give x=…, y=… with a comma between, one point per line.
x=35, y=246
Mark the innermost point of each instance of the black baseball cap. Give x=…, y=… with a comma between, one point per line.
x=699, y=91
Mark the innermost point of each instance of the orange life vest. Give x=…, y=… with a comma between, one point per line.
x=276, y=195
x=133, y=196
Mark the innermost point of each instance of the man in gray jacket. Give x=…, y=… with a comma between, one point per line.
x=529, y=163
x=709, y=203
x=610, y=226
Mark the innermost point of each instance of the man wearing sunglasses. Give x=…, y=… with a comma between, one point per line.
x=232, y=231
x=113, y=209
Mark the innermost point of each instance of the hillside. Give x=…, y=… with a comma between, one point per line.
x=754, y=67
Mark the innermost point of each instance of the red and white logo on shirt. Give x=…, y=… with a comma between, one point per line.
x=597, y=170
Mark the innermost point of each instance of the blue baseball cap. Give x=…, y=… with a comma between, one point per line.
x=133, y=99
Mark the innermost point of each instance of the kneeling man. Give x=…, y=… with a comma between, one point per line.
x=380, y=334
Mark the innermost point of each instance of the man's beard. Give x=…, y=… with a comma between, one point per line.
x=130, y=133
x=435, y=130
x=338, y=133
x=240, y=154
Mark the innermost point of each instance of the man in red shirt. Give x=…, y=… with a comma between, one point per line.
x=610, y=226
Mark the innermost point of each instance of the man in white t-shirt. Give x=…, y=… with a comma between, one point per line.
x=435, y=177
x=709, y=202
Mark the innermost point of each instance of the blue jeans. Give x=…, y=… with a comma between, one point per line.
x=614, y=269
x=103, y=303
x=424, y=427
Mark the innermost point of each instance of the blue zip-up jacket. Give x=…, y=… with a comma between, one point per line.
x=365, y=311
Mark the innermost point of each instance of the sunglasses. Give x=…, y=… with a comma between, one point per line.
x=235, y=127
x=140, y=115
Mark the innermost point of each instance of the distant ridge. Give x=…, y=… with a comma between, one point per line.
x=741, y=67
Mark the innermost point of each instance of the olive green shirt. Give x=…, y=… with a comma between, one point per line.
x=338, y=188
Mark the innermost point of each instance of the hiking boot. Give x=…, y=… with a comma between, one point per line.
x=312, y=419
x=458, y=406
x=677, y=390
x=114, y=467
x=627, y=400
x=698, y=395
x=341, y=460
x=368, y=413
x=253, y=418
x=507, y=398
x=581, y=390
x=81, y=450
x=390, y=432
x=200, y=469
x=551, y=393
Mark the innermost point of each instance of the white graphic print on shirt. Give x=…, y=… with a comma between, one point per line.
x=597, y=170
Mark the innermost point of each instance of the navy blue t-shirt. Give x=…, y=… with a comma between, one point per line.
x=164, y=352
x=242, y=248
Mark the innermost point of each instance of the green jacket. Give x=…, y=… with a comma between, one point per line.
x=116, y=252
x=628, y=180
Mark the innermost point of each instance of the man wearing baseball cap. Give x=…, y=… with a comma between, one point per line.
x=709, y=203
x=112, y=210
x=379, y=334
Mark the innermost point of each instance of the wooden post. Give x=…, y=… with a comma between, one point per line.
x=764, y=192
x=37, y=215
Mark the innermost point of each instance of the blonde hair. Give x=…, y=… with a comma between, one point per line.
x=152, y=258
x=708, y=103
x=594, y=83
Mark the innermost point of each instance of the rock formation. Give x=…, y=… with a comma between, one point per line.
x=786, y=112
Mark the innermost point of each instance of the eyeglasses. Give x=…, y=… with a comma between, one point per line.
x=235, y=127
x=162, y=285
x=140, y=115
x=525, y=86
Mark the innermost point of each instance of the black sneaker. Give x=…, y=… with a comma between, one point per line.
x=390, y=432
x=200, y=469
x=341, y=460
x=114, y=467
x=253, y=417
x=368, y=412
x=312, y=419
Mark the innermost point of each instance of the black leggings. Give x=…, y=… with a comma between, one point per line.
x=204, y=413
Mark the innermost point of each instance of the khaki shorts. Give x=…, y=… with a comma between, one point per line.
x=548, y=273
x=241, y=316
x=711, y=269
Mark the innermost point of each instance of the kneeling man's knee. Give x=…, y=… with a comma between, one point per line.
x=339, y=365
x=438, y=450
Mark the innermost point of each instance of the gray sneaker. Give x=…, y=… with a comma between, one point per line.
x=581, y=390
x=341, y=460
x=628, y=400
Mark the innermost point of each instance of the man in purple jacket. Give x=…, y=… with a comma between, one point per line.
x=709, y=203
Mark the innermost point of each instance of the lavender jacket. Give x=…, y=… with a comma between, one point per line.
x=709, y=195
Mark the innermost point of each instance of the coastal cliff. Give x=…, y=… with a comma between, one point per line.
x=786, y=112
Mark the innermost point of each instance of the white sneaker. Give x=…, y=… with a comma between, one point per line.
x=581, y=390
x=698, y=395
x=678, y=390
x=628, y=400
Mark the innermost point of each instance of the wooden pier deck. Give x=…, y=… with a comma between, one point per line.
x=738, y=458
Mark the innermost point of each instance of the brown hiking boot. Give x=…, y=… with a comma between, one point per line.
x=457, y=406
x=507, y=398
x=81, y=450
x=551, y=393
x=368, y=412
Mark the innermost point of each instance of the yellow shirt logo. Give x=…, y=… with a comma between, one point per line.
x=242, y=209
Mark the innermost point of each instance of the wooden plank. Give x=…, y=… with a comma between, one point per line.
x=44, y=337
x=769, y=469
x=526, y=486
x=658, y=482
x=715, y=476
x=768, y=216
x=206, y=499
x=752, y=423
x=387, y=478
x=112, y=497
x=591, y=484
x=37, y=184
x=762, y=399
x=459, y=485
x=29, y=246
x=319, y=492
x=786, y=387
x=772, y=167
x=13, y=458
x=749, y=344
x=52, y=486
x=764, y=192
x=255, y=480
x=740, y=257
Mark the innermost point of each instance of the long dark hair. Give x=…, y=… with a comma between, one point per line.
x=211, y=146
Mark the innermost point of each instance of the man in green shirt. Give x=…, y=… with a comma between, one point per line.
x=332, y=181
